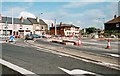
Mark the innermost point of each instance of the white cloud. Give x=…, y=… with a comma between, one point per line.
x=49, y=22
x=27, y=14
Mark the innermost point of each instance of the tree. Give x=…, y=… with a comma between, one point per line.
x=90, y=30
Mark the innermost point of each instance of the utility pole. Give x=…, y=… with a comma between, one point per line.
x=6, y=26
x=39, y=22
x=12, y=22
x=55, y=27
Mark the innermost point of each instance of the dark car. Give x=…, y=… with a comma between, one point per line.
x=36, y=36
x=29, y=37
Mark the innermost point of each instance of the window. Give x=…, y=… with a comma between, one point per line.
x=42, y=28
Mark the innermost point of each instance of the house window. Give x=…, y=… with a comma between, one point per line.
x=117, y=25
x=42, y=28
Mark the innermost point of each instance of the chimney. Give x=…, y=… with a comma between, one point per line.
x=60, y=23
x=115, y=16
x=37, y=19
x=52, y=25
x=22, y=19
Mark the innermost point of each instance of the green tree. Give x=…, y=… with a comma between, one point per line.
x=90, y=30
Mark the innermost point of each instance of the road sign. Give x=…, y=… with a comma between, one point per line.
x=11, y=38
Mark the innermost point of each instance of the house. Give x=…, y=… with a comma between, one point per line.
x=6, y=25
x=17, y=27
x=113, y=25
x=65, y=30
x=39, y=26
x=21, y=26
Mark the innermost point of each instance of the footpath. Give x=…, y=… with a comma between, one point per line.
x=85, y=56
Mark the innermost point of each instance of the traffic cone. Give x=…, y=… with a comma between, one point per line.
x=79, y=42
x=108, y=44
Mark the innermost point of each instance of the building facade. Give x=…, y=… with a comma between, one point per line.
x=39, y=26
x=113, y=25
x=65, y=30
x=21, y=26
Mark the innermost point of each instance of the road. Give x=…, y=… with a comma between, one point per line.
x=40, y=62
x=5, y=71
x=86, y=48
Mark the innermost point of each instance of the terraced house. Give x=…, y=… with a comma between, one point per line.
x=22, y=26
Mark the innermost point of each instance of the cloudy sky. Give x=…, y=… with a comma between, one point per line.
x=84, y=13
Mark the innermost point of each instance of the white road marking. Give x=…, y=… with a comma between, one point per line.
x=114, y=55
x=17, y=68
x=109, y=65
x=77, y=72
x=93, y=43
x=20, y=44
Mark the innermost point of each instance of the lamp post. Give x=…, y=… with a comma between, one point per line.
x=6, y=26
x=40, y=20
x=102, y=20
x=55, y=27
x=12, y=23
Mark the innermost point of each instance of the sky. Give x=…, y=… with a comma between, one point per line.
x=84, y=13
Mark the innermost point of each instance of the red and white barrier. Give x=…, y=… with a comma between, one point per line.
x=108, y=44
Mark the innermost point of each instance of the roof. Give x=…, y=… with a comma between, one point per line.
x=66, y=25
x=16, y=21
x=115, y=20
x=8, y=19
x=34, y=21
x=28, y=21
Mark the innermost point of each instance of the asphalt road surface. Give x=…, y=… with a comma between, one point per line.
x=85, y=48
x=5, y=71
x=42, y=63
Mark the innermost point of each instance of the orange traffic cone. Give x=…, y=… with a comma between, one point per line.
x=108, y=44
x=79, y=42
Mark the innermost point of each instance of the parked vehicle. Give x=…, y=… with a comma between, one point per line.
x=36, y=36
x=29, y=37
x=3, y=37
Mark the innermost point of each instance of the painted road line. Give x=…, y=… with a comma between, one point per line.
x=115, y=66
x=94, y=43
x=78, y=72
x=17, y=68
x=20, y=44
x=114, y=55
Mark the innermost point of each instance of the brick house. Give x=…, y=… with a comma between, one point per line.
x=65, y=30
x=113, y=25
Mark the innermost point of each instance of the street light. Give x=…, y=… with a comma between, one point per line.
x=6, y=26
x=55, y=27
x=39, y=19
x=102, y=20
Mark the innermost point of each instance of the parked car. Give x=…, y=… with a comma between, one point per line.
x=36, y=36
x=29, y=37
x=3, y=37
